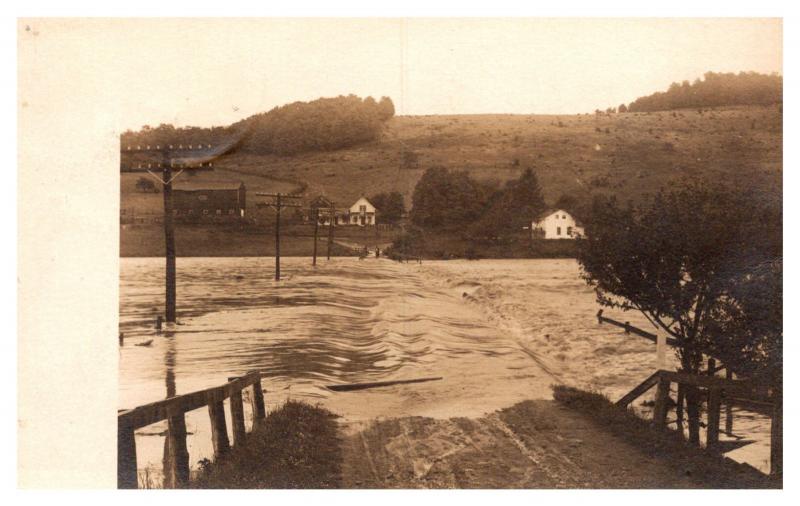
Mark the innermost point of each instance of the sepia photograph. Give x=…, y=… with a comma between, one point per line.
x=433, y=253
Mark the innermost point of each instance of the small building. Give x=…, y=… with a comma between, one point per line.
x=215, y=201
x=557, y=224
x=362, y=213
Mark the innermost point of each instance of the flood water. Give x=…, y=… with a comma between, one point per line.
x=498, y=331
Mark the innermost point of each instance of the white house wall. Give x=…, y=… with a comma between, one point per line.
x=559, y=225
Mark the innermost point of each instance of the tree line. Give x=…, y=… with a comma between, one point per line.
x=320, y=125
x=714, y=90
x=445, y=199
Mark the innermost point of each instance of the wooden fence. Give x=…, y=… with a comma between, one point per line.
x=747, y=394
x=176, y=461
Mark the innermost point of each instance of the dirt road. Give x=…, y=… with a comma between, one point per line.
x=534, y=444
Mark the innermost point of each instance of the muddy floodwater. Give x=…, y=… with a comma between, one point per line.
x=496, y=331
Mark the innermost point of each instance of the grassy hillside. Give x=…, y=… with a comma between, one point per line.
x=625, y=153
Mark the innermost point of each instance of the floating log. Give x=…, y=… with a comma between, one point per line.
x=362, y=386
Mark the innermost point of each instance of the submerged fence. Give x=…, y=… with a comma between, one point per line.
x=747, y=394
x=176, y=461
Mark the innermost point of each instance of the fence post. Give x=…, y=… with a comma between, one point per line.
x=219, y=430
x=259, y=412
x=126, y=456
x=237, y=417
x=728, y=407
x=714, y=400
x=660, y=410
x=176, y=467
x=776, y=432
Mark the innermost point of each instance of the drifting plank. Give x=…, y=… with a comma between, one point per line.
x=362, y=386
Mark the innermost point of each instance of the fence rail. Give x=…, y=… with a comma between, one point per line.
x=176, y=462
x=747, y=394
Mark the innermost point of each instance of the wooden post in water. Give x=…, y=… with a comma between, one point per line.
x=237, y=418
x=219, y=429
x=728, y=407
x=176, y=466
x=661, y=408
x=259, y=412
x=126, y=456
x=714, y=402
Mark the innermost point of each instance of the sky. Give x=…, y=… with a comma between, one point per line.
x=208, y=71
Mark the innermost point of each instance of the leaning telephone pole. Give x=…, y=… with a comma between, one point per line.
x=187, y=158
x=277, y=204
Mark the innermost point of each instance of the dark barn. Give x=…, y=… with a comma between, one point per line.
x=209, y=201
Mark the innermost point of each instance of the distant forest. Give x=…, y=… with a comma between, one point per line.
x=320, y=125
x=715, y=89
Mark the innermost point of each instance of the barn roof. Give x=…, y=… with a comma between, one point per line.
x=191, y=186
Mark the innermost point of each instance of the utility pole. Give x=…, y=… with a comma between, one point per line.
x=278, y=205
x=330, y=228
x=189, y=158
x=315, y=214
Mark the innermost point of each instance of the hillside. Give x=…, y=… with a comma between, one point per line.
x=626, y=154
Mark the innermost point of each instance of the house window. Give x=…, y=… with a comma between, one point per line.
x=362, y=208
x=569, y=231
x=205, y=211
x=558, y=230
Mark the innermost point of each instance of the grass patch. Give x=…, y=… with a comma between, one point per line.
x=297, y=446
x=718, y=470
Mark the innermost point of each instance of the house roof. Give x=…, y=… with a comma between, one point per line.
x=190, y=186
x=554, y=210
x=544, y=214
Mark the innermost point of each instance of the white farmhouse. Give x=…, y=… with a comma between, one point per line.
x=557, y=224
x=362, y=213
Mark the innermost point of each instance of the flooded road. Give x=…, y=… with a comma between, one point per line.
x=497, y=331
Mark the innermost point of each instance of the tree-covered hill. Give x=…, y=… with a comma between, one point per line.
x=324, y=124
x=714, y=90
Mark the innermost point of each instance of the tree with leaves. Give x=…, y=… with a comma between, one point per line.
x=703, y=264
x=390, y=206
x=512, y=208
x=443, y=198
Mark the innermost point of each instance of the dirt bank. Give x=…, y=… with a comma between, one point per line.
x=534, y=444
